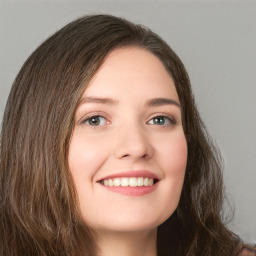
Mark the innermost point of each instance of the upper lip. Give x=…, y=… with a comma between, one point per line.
x=132, y=173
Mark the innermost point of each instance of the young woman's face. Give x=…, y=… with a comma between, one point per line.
x=128, y=151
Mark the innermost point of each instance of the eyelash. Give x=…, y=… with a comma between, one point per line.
x=167, y=117
x=88, y=118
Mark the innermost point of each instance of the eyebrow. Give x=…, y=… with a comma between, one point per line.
x=155, y=102
x=107, y=101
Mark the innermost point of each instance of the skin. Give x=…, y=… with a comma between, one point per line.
x=128, y=134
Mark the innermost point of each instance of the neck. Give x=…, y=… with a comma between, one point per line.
x=141, y=243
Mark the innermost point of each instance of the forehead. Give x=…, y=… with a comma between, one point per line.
x=132, y=69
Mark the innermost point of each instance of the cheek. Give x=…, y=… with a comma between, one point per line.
x=171, y=159
x=85, y=158
x=173, y=155
x=173, y=162
x=84, y=155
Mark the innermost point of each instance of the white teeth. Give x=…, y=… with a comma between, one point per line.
x=150, y=182
x=110, y=183
x=140, y=182
x=116, y=182
x=132, y=182
x=125, y=182
x=145, y=182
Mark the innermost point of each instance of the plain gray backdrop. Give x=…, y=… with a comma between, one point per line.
x=216, y=40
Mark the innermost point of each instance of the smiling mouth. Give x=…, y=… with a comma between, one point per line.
x=129, y=182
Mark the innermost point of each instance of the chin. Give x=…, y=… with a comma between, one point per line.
x=135, y=223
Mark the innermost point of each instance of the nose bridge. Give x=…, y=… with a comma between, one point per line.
x=133, y=141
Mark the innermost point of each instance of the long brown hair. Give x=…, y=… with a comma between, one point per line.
x=39, y=212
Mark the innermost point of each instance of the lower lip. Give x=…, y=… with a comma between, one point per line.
x=132, y=191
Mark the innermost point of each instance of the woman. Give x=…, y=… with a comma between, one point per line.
x=103, y=151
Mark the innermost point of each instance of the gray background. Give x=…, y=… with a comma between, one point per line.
x=215, y=39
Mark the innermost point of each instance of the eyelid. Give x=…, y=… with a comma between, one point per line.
x=87, y=116
x=171, y=118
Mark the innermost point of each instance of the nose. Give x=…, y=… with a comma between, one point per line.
x=133, y=143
